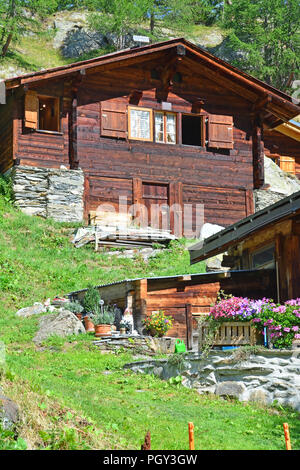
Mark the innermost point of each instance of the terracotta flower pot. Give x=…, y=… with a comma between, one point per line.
x=89, y=325
x=102, y=330
x=122, y=331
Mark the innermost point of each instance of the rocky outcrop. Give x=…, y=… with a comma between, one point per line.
x=62, y=324
x=46, y=192
x=281, y=184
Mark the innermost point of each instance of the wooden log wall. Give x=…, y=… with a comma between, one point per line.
x=219, y=179
x=45, y=149
x=6, y=136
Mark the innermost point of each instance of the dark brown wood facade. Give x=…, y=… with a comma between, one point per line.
x=219, y=169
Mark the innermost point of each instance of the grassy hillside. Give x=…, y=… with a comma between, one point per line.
x=73, y=397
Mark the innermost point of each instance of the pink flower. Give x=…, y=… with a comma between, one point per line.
x=287, y=330
x=295, y=328
x=297, y=336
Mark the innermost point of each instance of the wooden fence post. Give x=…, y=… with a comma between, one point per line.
x=287, y=436
x=191, y=436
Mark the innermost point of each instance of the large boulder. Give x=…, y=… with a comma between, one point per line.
x=280, y=185
x=62, y=323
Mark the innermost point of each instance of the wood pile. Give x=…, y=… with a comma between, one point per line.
x=121, y=237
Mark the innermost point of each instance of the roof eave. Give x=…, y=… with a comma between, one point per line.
x=235, y=233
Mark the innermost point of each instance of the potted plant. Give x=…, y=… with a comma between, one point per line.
x=91, y=303
x=76, y=308
x=157, y=324
x=123, y=325
x=103, y=320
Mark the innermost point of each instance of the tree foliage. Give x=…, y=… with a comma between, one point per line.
x=17, y=16
x=267, y=36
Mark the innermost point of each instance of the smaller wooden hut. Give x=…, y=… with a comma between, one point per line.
x=184, y=297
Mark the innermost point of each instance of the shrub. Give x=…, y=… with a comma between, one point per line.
x=75, y=307
x=105, y=317
x=6, y=188
x=91, y=300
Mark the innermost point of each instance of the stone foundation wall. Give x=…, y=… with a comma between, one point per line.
x=263, y=377
x=49, y=193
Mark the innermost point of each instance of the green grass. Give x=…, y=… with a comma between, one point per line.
x=68, y=378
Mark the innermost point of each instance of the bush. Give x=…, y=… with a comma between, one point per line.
x=105, y=317
x=91, y=300
x=6, y=188
x=75, y=307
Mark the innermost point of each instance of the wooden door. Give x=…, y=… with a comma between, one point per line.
x=155, y=198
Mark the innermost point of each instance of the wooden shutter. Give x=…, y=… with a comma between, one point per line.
x=287, y=164
x=113, y=119
x=220, y=131
x=31, y=110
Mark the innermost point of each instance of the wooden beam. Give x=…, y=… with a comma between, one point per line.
x=213, y=74
x=258, y=154
x=189, y=326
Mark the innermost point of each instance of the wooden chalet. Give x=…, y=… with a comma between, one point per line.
x=165, y=124
x=184, y=297
x=267, y=240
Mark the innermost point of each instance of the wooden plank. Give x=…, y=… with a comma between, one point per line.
x=189, y=327
x=31, y=109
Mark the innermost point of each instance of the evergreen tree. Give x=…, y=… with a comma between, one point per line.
x=16, y=18
x=267, y=35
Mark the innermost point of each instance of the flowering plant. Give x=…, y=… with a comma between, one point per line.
x=281, y=320
x=158, y=323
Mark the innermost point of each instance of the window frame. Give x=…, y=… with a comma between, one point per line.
x=58, y=105
x=259, y=250
x=165, y=113
x=140, y=108
x=203, y=118
x=178, y=125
